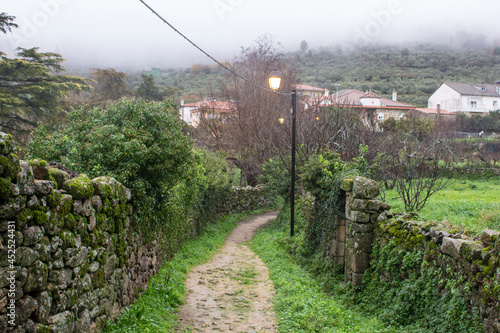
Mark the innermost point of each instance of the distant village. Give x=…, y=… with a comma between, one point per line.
x=445, y=103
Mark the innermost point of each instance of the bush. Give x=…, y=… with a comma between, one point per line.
x=141, y=145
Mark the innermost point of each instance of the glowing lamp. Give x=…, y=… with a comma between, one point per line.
x=275, y=80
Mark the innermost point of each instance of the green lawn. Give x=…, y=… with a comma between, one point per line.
x=301, y=303
x=473, y=204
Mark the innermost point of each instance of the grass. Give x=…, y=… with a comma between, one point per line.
x=154, y=310
x=473, y=204
x=300, y=303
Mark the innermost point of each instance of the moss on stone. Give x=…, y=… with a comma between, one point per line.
x=347, y=184
x=107, y=208
x=69, y=221
x=59, y=176
x=68, y=238
x=55, y=185
x=54, y=199
x=10, y=165
x=6, y=143
x=66, y=204
x=40, y=328
x=80, y=188
x=40, y=217
x=23, y=217
x=38, y=162
x=5, y=190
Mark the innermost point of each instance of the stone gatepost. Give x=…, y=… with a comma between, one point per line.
x=362, y=210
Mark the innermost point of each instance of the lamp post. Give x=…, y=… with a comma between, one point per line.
x=274, y=84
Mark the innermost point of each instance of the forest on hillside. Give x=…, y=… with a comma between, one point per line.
x=414, y=71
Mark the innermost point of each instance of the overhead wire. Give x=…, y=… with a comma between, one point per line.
x=208, y=55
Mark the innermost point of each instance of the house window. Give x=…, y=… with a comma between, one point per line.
x=495, y=104
x=473, y=104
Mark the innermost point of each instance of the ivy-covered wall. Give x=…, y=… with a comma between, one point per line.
x=70, y=258
x=381, y=251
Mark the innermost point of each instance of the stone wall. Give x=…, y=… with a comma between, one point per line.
x=245, y=198
x=474, y=263
x=69, y=259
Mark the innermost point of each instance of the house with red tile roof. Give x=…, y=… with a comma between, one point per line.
x=192, y=113
x=373, y=107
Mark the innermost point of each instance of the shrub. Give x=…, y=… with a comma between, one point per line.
x=141, y=145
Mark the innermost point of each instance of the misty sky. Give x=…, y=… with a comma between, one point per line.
x=124, y=33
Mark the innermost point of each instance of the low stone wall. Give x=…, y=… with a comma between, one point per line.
x=473, y=263
x=245, y=198
x=69, y=258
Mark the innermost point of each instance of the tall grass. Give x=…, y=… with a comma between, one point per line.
x=473, y=204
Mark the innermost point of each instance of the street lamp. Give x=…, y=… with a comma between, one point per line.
x=274, y=84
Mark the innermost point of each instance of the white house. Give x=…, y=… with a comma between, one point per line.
x=212, y=109
x=466, y=97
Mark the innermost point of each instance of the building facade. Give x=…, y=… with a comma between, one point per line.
x=466, y=97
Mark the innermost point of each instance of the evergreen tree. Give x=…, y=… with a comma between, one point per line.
x=31, y=87
x=148, y=89
x=29, y=92
x=6, y=22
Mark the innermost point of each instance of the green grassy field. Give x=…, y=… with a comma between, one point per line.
x=473, y=204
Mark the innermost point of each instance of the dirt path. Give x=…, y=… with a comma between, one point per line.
x=232, y=293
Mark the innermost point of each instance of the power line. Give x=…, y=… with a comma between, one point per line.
x=208, y=55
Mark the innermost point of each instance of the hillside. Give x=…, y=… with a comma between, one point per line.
x=414, y=71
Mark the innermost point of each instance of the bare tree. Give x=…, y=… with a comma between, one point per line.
x=253, y=129
x=418, y=168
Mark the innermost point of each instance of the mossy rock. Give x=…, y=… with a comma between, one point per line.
x=7, y=145
x=40, y=169
x=54, y=199
x=9, y=166
x=5, y=190
x=70, y=221
x=471, y=250
x=109, y=188
x=40, y=217
x=59, y=176
x=80, y=188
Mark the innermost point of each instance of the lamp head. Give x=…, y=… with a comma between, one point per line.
x=275, y=80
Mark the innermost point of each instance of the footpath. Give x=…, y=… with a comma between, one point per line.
x=233, y=292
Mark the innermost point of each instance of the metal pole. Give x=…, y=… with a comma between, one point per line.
x=292, y=192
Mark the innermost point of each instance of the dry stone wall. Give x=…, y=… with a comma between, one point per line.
x=473, y=263
x=69, y=259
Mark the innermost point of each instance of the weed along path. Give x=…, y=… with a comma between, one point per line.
x=232, y=293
